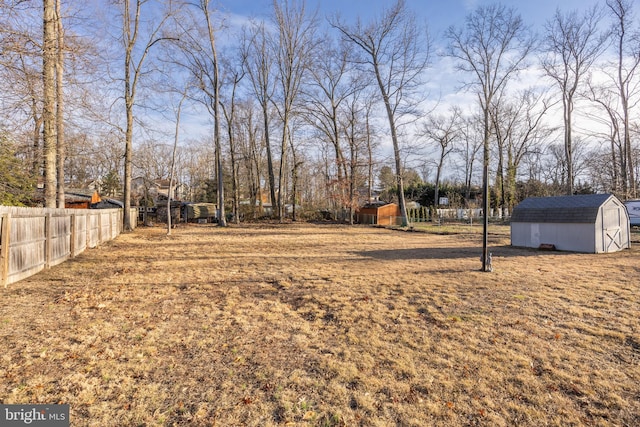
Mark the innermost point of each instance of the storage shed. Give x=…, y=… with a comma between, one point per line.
x=199, y=212
x=594, y=223
x=378, y=213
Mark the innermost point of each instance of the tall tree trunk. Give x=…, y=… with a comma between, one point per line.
x=396, y=147
x=499, y=183
x=486, y=205
x=340, y=162
x=294, y=179
x=48, y=113
x=614, y=162
x=235, y=190
x=436, y=192
x=510, y=193
x=270, y=172
x=629, y=172
x=283, y=159
x=353, y=172
x=61, y=144
x=370, y=159
x=36, y=161
x=128, y=156
x=173, y=163
x=230, y=116
x=222, y=221
x=254, y=161
x=568, y=146
x=129, y=96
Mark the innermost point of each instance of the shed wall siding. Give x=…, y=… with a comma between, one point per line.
x=565, y=237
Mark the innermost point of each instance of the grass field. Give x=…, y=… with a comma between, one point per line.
x=324, y=325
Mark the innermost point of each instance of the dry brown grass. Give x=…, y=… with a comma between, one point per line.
x=327, y=326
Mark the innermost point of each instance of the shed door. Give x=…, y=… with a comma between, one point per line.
x=612, y=237
x=535, y=235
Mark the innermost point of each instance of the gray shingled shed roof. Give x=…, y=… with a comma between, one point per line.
x=563, y=209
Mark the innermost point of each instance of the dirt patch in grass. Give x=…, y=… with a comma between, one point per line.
x=327, y=326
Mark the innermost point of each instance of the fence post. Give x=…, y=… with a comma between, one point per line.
x=72, y=242
x=5, y=236
x=87, y=237
x=99, y=229
x=48, y=231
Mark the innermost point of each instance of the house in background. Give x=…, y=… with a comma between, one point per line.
x=593, y=223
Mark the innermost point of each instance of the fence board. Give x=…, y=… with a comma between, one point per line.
x=60, y=239
x=116, y=224
x=94, y=231
x=105, y=226
x=27, y=246
x=80, y=234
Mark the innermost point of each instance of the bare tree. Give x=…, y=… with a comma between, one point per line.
x=172, y=171
x=21, y=77
x=60, y=140
x=355, y=127
x=626, y=40
x=152, y=159
x=259, y=67
x=251, y=153
x=493, y=48
x=232, y=78
x=370, y=133
x=325, y=93
x=554, y=168
x=134, y=61
x=471, y=130
x=606, y=99
x=396, y=51
x=293, y=47
x=602, y=176
x=571, y=45
x=444, y=131
x=215, y=98
x=197, y=35
x=519, y=128
x=297, y=161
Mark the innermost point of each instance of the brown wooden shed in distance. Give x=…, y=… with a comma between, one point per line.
x=81, y=199
x=379, y=213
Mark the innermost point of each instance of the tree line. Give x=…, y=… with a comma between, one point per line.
x=301, y=111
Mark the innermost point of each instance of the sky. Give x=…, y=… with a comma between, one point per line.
x=438, y=14
x=444, y=85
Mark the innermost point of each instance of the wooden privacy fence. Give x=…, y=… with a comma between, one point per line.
x=32, y=239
